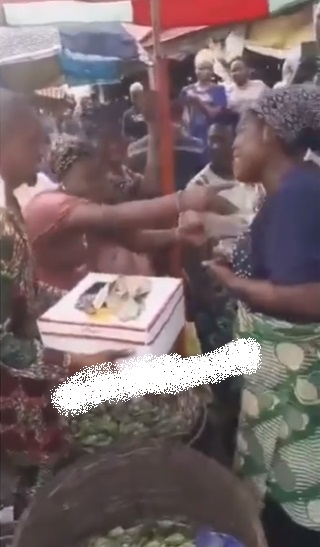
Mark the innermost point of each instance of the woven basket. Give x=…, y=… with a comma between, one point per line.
x=130, y=484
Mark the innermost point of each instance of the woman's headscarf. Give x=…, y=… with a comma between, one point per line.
x=293, y=113
x=65, y=151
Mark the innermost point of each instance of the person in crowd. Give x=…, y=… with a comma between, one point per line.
x=134, y=126
x=214, y=315
x=30, y=427
x=288, y=70
x=122, y=183
x=189, y=152
x=71, y=124
x=31, y=431
x=297, y=70
x=205, y=102
x=53, y=217
x=89, y=116
x=122, y=178
x=219, y=172
x=306, y=71
x=242, y=91
x=275, y=275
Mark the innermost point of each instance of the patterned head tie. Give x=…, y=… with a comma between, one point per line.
x=65, y=151
x=293, y=113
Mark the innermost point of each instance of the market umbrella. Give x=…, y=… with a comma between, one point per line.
x=172, y=13
x=35, y=57
x=97, y=53
x=29, y=58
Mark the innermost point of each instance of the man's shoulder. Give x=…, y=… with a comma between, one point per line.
x=312, y=156
x=202, y=178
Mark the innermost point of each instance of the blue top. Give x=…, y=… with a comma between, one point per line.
x=199, y=122
x=284, y=246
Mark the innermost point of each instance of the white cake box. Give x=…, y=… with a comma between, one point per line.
x=66, y=328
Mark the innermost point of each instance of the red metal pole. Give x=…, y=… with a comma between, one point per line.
x=165, y=135
x=164, y=122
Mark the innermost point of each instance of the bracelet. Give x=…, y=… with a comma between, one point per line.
x=177, y=234
x=179, y=201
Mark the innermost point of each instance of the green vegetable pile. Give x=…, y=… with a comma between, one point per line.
x=165, y=533
x=151, y=417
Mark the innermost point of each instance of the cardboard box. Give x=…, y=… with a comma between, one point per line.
x=66, y=328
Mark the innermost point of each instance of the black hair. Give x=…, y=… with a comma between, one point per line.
x=66, y=151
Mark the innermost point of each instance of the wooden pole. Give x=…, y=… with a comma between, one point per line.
x=161, y=83
x=162, y=87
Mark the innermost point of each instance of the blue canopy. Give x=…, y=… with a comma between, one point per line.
x=103, y=39
x=94, y=53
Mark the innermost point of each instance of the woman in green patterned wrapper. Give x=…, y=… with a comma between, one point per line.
x=276, y=276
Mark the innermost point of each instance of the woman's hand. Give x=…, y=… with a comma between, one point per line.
x=82, y=360
x=191, y=229
x=204, y=198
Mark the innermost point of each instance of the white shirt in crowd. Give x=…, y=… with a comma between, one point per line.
x=311, y=156
x=25, y=193
x=240, y=97
x=242, y=196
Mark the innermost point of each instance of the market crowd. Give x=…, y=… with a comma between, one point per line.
x=79, y=195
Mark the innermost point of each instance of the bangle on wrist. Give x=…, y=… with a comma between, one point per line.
x=176, y=232
x=179, y=201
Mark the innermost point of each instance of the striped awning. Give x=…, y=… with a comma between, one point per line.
x=57, y=93
x=173, y=13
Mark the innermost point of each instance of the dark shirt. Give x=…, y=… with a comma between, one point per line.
x=284, y=241
x=189, y=158
x=288, y=231
x=133, y=124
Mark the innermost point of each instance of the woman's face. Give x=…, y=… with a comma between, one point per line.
x=113, y=151
x=85, y=179
x=23, y=149
x=249, y=151
x=239, y=72
x=204, y=71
